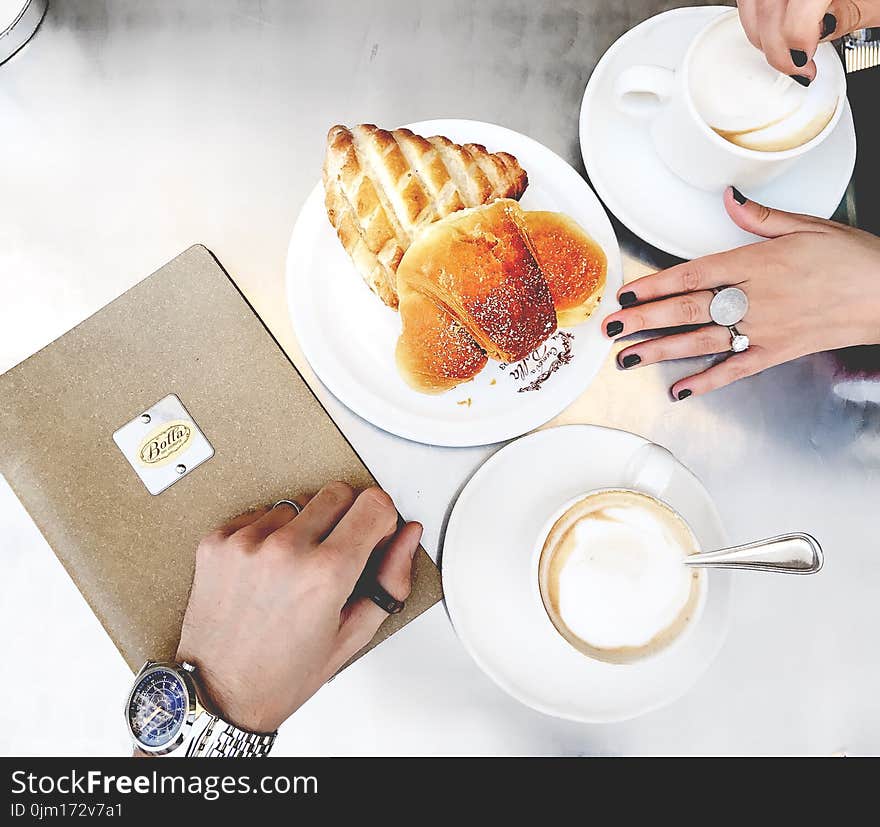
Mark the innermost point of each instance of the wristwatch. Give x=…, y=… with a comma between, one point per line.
x=164, y=714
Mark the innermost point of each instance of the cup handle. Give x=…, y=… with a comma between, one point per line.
x=650, y=469
x=640, y=90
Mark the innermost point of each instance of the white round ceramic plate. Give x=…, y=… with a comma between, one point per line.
x=650, y=199
x=490, y=581
x=348, y=335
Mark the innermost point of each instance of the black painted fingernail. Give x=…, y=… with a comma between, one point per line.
x=614, y=328
x=684, y=394
x=801, y=79
x=738, y=196
x=628, y=298
x=829, y=24
x=798, y=57
x=631, y=360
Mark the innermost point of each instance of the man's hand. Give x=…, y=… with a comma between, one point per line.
x=269, y=619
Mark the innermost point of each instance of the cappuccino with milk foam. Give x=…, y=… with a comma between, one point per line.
x=612, y=576
x=749, y=103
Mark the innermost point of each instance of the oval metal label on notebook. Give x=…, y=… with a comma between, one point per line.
x=163, y=444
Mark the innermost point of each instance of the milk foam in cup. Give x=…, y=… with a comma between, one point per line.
x=751, y=104
x=612, y=576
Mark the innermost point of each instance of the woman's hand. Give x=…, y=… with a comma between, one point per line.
x=788, y=31
x=269, y=619
x=815, y=285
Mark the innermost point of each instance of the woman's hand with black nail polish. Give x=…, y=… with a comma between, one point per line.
x=798, y=57
x=789, y=31
x=829, y=26
x=813, y=285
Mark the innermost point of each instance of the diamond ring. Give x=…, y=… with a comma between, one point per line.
x=738, y=341
x=728, y=308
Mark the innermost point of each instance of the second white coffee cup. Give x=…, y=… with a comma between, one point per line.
x=688, y=145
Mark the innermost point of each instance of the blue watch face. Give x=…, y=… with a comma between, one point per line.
x=158, y=708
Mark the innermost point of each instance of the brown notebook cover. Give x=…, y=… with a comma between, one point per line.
x=185, y=330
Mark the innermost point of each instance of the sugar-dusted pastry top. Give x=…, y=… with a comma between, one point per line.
x=479, y=265
x=435, y=352
x=492, y=282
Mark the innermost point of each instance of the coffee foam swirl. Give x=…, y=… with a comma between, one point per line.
x=612, y=574
x=748, y=102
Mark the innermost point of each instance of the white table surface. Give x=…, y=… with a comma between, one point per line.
x=132, y=129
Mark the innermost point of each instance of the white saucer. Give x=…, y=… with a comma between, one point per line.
x=492, y=599
x=653, y=202
x=349, y=336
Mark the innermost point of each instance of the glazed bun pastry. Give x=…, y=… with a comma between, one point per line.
x=434, y=352
x=479, y=266
x=383, y=188
x=573, y=264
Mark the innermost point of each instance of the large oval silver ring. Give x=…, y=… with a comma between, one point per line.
x=729, y=306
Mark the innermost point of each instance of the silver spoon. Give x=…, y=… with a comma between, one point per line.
x=788, y=553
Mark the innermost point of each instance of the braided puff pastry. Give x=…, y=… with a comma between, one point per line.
x=382, y=188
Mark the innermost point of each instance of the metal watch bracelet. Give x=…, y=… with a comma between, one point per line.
x=167, y=695
x=219, y=739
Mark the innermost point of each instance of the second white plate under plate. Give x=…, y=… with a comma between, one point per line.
x=349, y=336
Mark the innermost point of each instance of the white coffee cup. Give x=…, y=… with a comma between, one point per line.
x=688, y=145
x=647, y=474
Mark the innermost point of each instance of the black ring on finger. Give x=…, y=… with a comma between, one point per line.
x=382, y=599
